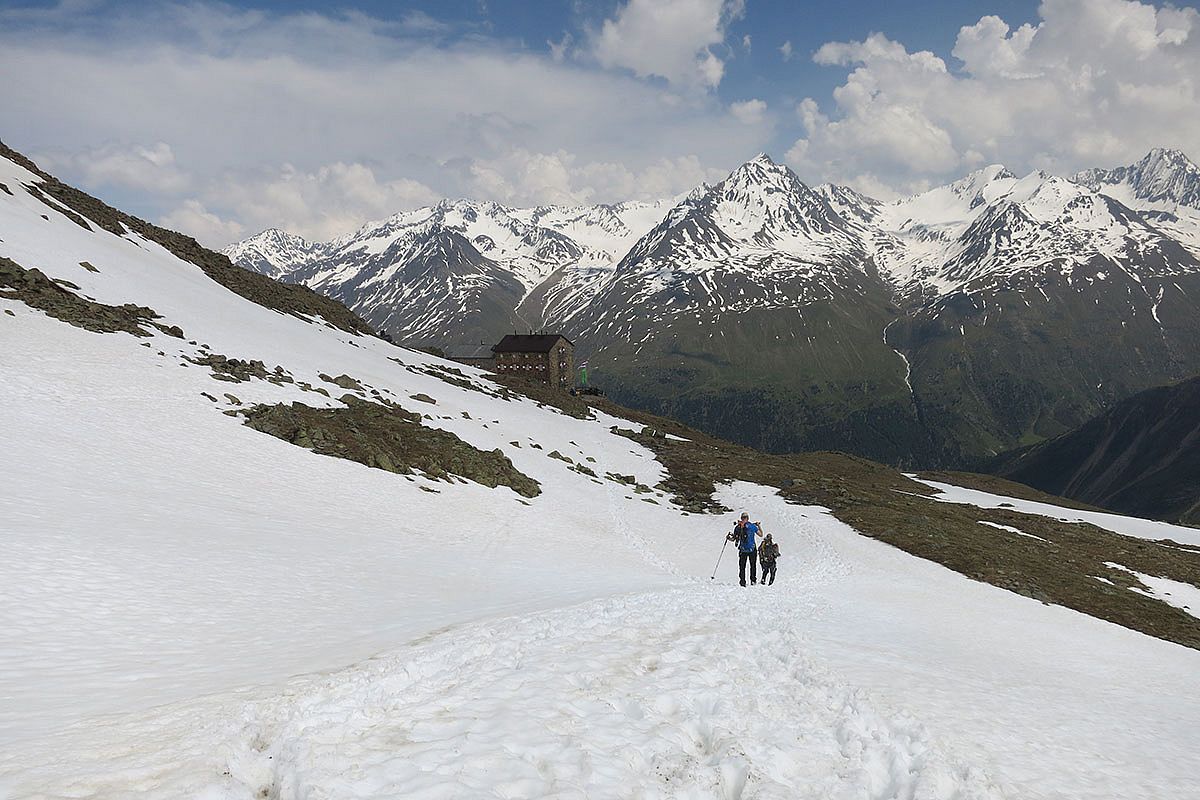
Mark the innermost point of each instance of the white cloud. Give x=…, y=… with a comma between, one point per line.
x=1095, y=82
x=320, y=204
x=559, y=49
x=229, y=98
x=987, y=48
x=136, y=166
x=669, y=39
x=207, y=228
x=522, y=177
x=746, y=43
x=785, y=50
x=749, y=112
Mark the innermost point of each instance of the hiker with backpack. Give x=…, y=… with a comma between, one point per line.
x=768, y=553
x=744, y=534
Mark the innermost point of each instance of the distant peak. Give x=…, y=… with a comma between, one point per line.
x=275, y=235
x=994, y=172
x=1168, y=153
x=761, y=169
x=975, y=182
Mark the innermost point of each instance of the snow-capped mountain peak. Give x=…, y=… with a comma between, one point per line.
x=273, y=252
x=766, y=203
x=1162, y=176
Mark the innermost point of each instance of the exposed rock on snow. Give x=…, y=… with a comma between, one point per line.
x=389, y=438
x=33, y=288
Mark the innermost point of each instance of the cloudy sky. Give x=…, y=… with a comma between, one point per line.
x=221, y=119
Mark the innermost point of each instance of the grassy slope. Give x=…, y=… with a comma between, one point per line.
x=778, y=380
x=1140, y=457
x=1022, y=368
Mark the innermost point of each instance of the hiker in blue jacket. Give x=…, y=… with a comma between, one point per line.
x=744, y=534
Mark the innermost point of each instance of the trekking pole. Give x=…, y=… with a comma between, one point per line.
x=714, y=575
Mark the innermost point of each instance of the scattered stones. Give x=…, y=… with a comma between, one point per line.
x=421, y=397
x=232, y=399
x=35, y=289
x=559, y=456
x=343, y=381
x=9, y=311
x=209, y=396
x=87, y=265
x=170, y=330
x=234, y=370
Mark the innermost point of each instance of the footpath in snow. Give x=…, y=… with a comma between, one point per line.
x=862, y=673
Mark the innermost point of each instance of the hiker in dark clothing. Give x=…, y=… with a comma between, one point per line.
x=744, y=534
x=768, y=552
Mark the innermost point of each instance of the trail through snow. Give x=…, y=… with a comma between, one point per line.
x=846, y=679
x=654, y=694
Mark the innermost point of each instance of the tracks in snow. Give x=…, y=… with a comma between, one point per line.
x=697, y=691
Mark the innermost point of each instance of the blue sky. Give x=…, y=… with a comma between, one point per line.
x=223, y=118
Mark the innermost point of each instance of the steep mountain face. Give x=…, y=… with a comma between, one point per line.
x=274, y=253
x=1163, y=176
x=753, y=310
x=939, y=329
x=1142, y=457
x=461, y=272
x=1043, y=303
x=1164, y=187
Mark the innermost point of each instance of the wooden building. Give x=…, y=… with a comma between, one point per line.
x=544, y=357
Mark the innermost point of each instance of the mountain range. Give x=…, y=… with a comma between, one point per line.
x=937, y=329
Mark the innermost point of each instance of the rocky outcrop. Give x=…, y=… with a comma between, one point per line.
x=390, y=438
x=35, y=289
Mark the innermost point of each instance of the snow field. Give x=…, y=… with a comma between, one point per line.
x=158, y=549
x=658, y=694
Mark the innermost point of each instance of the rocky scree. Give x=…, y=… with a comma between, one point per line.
x=35, y=289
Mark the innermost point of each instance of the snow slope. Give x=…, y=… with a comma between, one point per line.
x=191, y=608
x=1129, y=526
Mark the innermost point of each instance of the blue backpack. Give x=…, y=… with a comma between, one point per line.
x=746, y=537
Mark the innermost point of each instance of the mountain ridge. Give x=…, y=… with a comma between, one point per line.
x=790, y=317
